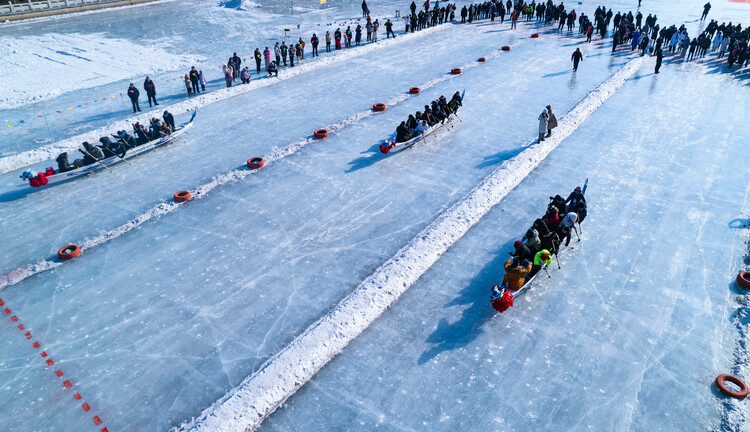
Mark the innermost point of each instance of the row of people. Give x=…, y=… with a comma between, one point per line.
x=122, y=142
x=437, y=112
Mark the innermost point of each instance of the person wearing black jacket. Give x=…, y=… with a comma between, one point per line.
x=194, y=80
x=141, y=133
x=91, y=154
x=169, y=120
x=62, y=163
x=150, y=88
x=133, y=94
x=258, y=58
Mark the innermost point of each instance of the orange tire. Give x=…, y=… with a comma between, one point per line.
x=321, y=133
x=506, y=48
x=481, y=60
x=255, y=163
x=379, y=107
x=182, y=196
x=68, y=252
x=742, y=394
x=456, y=71
x=414, y=90
x=535, y=35
x=743, y=279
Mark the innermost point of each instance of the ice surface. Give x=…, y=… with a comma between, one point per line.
x=156, y=324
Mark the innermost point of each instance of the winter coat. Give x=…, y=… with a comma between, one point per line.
x=515, y=276
x=552, y=120
x=569, y=220
x=538, y=258
x=543, y=122
x=133, y=93
x=201, y=78
x=193, y=75
x=267, y=56
x=245, y=74
x=574, y=198
x=277, y=51
x=552, y=220
x=63, y=164
x=149, y=87
x=532, y=240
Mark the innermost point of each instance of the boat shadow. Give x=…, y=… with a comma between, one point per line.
x=468, y=327
x=501, y=157
x=16, y=194
x=366, y=161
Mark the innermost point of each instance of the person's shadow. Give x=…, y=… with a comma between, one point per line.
x=449, y=336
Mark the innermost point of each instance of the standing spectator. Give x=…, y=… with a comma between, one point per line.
x=187, y=85
x=314, y=42
x=375, y=27
x=551, y=121
x=245, y=75
x=513, y=19
x=150, y=88
x=365, y=9
x=348, y=34
x=228, y=74
x=358, y=34
x=328, y=42
x=543, y=121
x=337, y=38
x=284, y=50
x=291, y=55
x=368, y=26
x=267, y=57
x=301, y=49
x=194, y=80
x=133, y=94
x=389, y=29
x=659, y=57
x=257, y=57
x=277, y=51
x=201, y=80
x=235, y=61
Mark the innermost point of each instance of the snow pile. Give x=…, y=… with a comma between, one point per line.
x=260, y=394
x=51, y=151
x=202, y=191
x=40, y=65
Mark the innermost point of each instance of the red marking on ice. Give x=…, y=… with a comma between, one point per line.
x=59, y=373
x=36, y=345
x=14, y=318
x=20, y=327
x=7, y=311
x=28, y=335
x=77, y=396
x=86, y=407
x=97, y=420
x=67, y=384
x=2, y=303
x=43, y=354
x=50, y=362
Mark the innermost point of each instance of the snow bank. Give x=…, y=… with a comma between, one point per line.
x=51, y=151
x=202, y=191
x=245, y=406
x=37, y=63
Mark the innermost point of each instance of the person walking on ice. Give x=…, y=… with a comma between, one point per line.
x=576, y=58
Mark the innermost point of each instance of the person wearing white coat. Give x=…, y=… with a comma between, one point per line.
x=543, y=122
x=717, y=41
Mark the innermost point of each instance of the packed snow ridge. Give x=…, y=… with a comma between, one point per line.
x=247, y=405
x=51, y=151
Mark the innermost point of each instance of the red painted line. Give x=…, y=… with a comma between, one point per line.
x=59, y=373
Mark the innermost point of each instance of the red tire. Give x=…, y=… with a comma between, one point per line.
x=456, y=71
x=481, y=60
x=414, y=90
x=321, y=133
x=743, y=279
x=379, y=107
x=742, y=394
x=68, y=252
x=505, y=48
x=535, y=35
x=182, y=196
x=255, y=163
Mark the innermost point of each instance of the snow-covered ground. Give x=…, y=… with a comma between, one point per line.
x=171, y=307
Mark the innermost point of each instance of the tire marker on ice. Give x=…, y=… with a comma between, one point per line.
x=67, y=384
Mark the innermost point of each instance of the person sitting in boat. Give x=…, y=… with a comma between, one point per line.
x=568, y=224
x=443, y=104
x=531, y=240
x=437, y=113
x=558, y=202
x=411, y=122
x=169, y=120
x=521, y=251
x=157, y=130
x=574, y=198
x=403, y=133
x=62, y=163
x=110, y=148
x=427, y=115
x=540, y=227
x=457, y=98
x=542, y=259
x=141, y=133
x=581, y=210
x=423, y=127
x=91, y=154
x=552, y=218
x=126, y=139
x=515, y=273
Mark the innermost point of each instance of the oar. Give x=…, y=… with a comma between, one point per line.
x=545, y=270
x=97, y=160
x=556, y=258
x=576, y=230
x=125, y=144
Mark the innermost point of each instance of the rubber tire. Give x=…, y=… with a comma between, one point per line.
x=321, y=133
x=481, y=60
x=743, y=279
x=456, y=71
x=182, y=196
x=414, y=90
x=535, y=35
x=505, y=48
x=255, y=163
x=74, y=252
x=742, y=394
x=379, y=107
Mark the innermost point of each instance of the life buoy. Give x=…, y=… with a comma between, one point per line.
x=535, y=35
x=505, y=48
x=378, y=107
x=481, y=60
x=456, y=71
x=255, y=163
x=182, y=196
x=321, y=133
x=68, y=252
x=414, y=90
x=743, y=279
x=742, y=394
